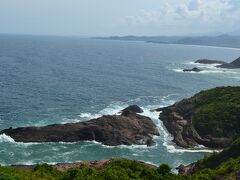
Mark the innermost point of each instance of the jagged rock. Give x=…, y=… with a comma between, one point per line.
x=236, y=62
x=178, y=120
x=131, y=109
x=110, y=130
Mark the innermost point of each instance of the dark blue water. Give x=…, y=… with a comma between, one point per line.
x=45, y=80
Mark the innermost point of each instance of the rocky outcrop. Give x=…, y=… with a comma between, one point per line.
x=178, y=121
x=208, y=61
x=195, y=69
x=131, y=109
x=112, y=130
x=186, y=170
x=209, y=118
x=236, y=62
x=233, y=65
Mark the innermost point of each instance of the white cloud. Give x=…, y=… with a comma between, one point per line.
x=203, y=14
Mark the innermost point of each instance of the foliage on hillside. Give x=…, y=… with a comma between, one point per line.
x=218, y=112
x=228, y=170
x=223, y=165
x=119, y=169
x=217, y=159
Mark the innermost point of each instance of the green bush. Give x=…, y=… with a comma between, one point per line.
x=115, y=170
x=217, y=112
x=164, y=169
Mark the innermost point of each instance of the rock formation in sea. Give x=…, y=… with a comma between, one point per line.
x=195, y=69
x=233, y=65
x=208, y=61
x=133, y=109
x=125, y=129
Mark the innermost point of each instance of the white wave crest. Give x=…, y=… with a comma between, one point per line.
x=88, y=116
x=5, y=138
x=206, y=69
x=209, y=66
x=211, y=71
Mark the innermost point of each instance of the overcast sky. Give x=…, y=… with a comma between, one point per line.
x=119, y=17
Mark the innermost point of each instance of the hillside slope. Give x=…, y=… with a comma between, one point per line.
x=210, y=118
x=223, y=165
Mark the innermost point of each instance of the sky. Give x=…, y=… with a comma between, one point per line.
x=119, y=17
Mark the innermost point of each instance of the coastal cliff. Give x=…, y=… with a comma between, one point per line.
x=210, y=118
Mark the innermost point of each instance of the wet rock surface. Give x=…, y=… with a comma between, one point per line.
x=127, y=129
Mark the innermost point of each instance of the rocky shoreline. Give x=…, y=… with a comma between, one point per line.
x=192, y=121
x=132, y=128
x=218, y=64
x=177, y=120
x=125, y=129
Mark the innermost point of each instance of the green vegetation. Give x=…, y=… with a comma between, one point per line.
x=127, y=170
x=224, y=164
x=116, y=169
x=229, y=170
x=216, y=159
x=218, y=112
x=122, y=170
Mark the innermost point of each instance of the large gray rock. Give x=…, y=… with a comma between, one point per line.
x=110, y=130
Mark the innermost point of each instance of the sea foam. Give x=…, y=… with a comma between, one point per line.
x=6, y=138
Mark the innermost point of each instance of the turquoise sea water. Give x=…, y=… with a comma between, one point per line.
x=45, y=80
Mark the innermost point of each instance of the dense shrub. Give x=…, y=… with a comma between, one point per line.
x=115, y=170
x=217, y=112
x=164, y=169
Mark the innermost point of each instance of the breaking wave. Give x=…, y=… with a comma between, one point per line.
x=206, y=69
x=5, y=138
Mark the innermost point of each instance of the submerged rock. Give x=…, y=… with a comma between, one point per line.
x=110, y=130
x=195, y=69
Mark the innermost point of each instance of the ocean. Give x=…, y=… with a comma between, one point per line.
x=46, y=80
